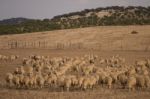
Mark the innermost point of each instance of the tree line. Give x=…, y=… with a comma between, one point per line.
x=116, y=16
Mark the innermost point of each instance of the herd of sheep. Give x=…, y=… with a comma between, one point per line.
x=79, y=73
x=7, y=58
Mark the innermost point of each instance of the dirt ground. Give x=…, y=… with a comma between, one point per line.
x=96, y=93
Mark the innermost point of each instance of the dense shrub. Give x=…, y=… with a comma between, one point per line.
x=134, y=32
x=118, y=16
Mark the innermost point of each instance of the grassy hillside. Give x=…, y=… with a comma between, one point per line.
x=109, y=16
x=100, y=37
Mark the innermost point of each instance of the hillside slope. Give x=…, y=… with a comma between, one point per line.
x=13, y=21
x=108, y=16
x=100, y=37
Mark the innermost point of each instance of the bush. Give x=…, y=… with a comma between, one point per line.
x=134, y=32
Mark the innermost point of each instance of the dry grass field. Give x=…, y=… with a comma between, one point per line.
x=101, y=37
x=110, y=39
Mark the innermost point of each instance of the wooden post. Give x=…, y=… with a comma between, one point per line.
x=25, y=44
x=39, y=44
x=16, y=45
x=11, y=45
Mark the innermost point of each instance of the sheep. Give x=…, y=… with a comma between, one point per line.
x=51, y=80
x=121, y=60
x=68, y=83
x=102, y=61
x=122, y=79
x=28, y=69
x=138, y=70
x=61, y=82
x=147, y=81
x=74, y=81
x=88, y=82
x=38, y=68
x=34, y=80
x=131, y=83
x=3, y=57
x=80, y=81
x=109, y=81
x=9, y=79
x=114, y=76
x=140, y=81
x=96, y=77
x=26, y=81
x=26, y=61
x=60, y=72
x=16, y=81
x=144, y=68
x=102, y=77
x=93, y=81
x=145, y=72
x=140, y=63
x=40, y=81
x=13, y=57
x=16, y=70
x=148, y=63
x=31, y=82
x=21, y=70
x=132, y=71
x=65, y=82
x=85, y=83
x=21, y=77
x=36, y=57
x=88, y=69
x=143, y=81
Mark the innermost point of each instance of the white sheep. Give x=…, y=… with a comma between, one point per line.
x=140, y=63
x=40, y=81
x=131, y=83
x=26, y=81
x=16, y=81
x=147, y=81
x=9, y=79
